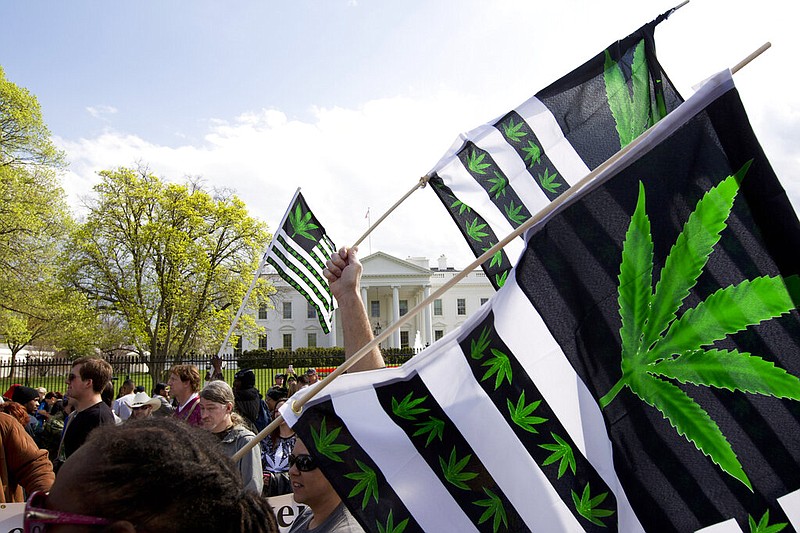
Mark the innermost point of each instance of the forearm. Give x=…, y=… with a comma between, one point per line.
x=358, y=333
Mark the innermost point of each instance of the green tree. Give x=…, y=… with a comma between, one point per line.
x=49, y=315
x=34, y=221
x=171, y=261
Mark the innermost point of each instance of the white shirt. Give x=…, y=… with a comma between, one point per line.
x=122, y=406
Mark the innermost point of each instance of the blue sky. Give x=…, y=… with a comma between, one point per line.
x=353, y=100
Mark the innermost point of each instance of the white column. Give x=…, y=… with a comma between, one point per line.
x=364, y=299
x=427, y=335
x=395, y=315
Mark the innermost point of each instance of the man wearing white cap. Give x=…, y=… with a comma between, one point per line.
x=143, y=405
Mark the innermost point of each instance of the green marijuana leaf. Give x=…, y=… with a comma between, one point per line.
x=547, y=181
x=325, y=442
x=532, y=152
x=657, y=346
x=512, y=131
x=477, y=348
x=561, y=451
x=433, y=427
x=494, y=508
x=390, y=527
x=500, y=366
x=513, y=213
x=763, y=525
x=453, y=470
x=587, y=506
x=461, y=207
x=500, y=279
x=521, y=414
x=497, y=257
x=499, y=183
x=474, y=163
x=408, y=407
x=474, y=230
x=367, y=483
x=631, y=113
x=301, y=223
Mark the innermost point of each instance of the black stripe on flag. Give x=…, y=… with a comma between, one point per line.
x=413, y=408
x=519, y=401
x=318, y=281
x=519, y=135
x=302, y=226
x=573, y=282
x=352, y=473
x=280, y=268
x=496, y=268
x=487, y=174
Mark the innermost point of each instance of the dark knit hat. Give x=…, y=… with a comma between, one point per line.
x=24, y=394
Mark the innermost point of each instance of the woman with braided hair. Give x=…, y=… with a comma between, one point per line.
x=151, y=475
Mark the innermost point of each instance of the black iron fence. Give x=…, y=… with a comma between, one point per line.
x=51, y=372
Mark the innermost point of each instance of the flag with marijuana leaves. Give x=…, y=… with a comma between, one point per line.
x=298, y=251
x=637, y=371
x=494, y=177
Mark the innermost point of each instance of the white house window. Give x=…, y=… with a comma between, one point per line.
x=312, y=340
x=262, y=342
x=287, y=310
x=262, y=312
x=484, y=300
x=461, y=306
x=437, y=307
x=375, y=309
x=287, y=341
x=404, y=339
x=438, y=334
x=312, y=311
x=403, y=307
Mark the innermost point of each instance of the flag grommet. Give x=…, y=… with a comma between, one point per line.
x=297, y=410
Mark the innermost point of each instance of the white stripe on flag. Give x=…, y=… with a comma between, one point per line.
x=406, y=472
x=515, y=170
x=557, y=148
x=466, y=189
x=293, y=261
x=451, y=382
x=560, y=386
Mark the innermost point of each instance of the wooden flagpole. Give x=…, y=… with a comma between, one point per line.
x=420, y=185
x=544, y=213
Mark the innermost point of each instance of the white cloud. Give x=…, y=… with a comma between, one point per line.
x=346, y=160
x=101, y=111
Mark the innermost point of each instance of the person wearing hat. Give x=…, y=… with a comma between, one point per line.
x=142, y=405
x=311, y=375
x=28, y=398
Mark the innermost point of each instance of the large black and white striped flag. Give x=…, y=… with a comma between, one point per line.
x=495, y=176
x=637, y=370
x=298, y=251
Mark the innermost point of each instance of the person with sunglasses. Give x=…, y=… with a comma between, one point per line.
x=325, y=512
x=85, y=384
x=156, y=475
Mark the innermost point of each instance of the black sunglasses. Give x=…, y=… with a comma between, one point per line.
x=303, y=462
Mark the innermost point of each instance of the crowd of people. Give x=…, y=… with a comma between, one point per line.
x=90, y=457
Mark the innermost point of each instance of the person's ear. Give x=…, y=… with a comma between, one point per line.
x=120, y=526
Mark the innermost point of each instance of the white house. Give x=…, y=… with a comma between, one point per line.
x=390, y=287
